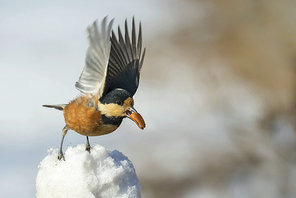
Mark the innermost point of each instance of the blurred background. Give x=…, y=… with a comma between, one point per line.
x=217, y=92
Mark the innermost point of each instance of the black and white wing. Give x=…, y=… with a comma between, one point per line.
x=94, y=72
x=125, y=62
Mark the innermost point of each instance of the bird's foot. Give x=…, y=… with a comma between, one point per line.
x=87, y=148
x=61, y=156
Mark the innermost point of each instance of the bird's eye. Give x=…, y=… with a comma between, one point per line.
x=128, y=112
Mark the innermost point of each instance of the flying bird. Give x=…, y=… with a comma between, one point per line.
x=108, y=82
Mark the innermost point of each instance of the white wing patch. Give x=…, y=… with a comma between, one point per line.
x=94, y=72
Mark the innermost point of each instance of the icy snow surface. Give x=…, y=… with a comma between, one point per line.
x=101, y=173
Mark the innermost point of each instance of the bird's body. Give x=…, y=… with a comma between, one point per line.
x=83, y=116
x=108, y=82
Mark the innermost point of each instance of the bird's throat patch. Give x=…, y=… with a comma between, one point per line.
x=116, y=110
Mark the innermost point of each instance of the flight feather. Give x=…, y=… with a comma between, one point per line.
x=94, y=72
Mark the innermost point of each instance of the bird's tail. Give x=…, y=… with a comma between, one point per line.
x=58, y=107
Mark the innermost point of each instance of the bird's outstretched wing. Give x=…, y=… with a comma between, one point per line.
x=94, y=72
x=125, y=62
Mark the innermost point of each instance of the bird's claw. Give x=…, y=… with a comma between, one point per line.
x=61, y=156
x=87, y=148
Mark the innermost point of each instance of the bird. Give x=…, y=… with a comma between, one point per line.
x=108, y=82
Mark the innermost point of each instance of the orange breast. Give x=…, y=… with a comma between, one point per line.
x=82, y=116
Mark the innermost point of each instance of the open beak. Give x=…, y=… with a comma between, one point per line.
x=136, y=117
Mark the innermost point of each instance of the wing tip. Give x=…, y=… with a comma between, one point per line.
x=142, y=58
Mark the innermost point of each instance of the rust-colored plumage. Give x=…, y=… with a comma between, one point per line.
x=82, y=116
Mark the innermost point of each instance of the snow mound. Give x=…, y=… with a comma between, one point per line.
x=101, y=173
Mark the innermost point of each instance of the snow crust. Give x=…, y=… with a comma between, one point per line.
x=101, y=173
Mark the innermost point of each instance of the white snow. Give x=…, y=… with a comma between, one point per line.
x=102, y=173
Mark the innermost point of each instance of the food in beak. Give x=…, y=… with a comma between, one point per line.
x=137, y=118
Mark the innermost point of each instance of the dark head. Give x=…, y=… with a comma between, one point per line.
x=118, y=104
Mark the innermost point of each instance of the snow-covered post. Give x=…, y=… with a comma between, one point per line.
x=101, y=173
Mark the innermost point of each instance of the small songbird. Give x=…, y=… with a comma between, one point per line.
x=108, y=83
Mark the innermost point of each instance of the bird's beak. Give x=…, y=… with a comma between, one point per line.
x=136, y=117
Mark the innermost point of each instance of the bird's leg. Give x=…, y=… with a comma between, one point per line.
x=64, y=132
x=87, y=147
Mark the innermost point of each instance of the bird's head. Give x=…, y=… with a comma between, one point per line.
x=119, y=103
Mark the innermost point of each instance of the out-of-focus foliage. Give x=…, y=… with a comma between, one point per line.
x=232, y=64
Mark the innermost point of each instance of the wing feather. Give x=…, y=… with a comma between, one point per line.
x=134, y=44
x=139, y=44
x=117, y=55
x=128, y=43
x=94, y=72
x=126, y=59
x=122, y=45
